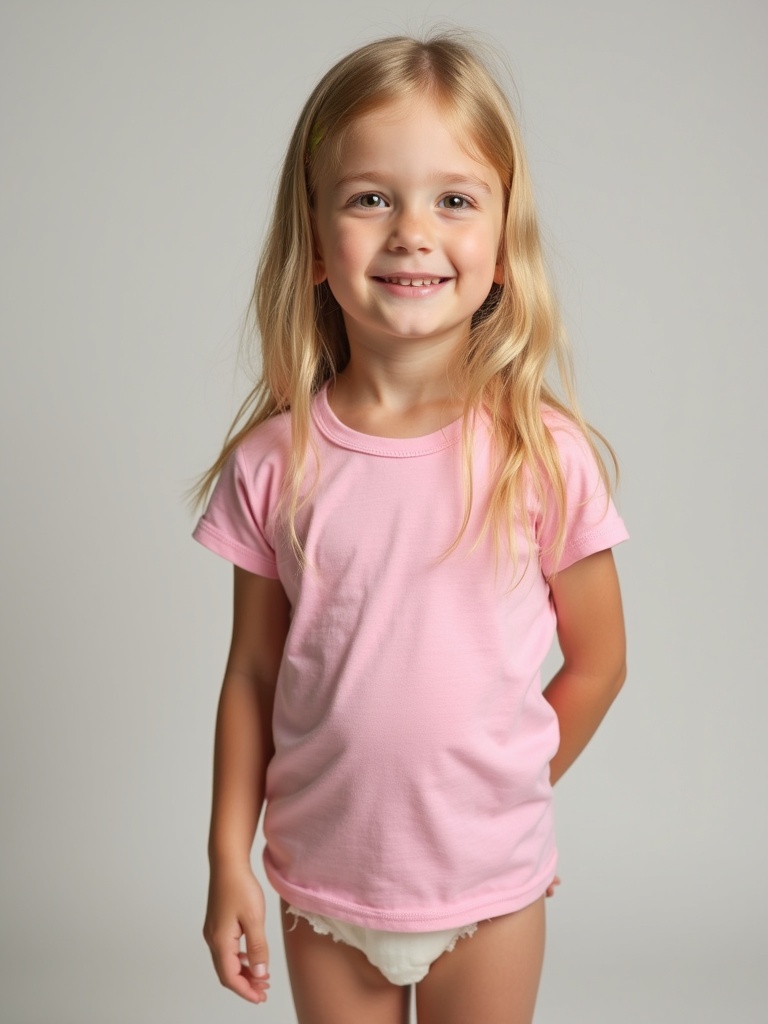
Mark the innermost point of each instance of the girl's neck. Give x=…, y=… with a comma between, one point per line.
x=395, y=402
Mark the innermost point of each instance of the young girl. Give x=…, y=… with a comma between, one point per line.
x=411, y=513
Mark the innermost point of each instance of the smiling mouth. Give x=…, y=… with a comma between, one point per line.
x=415, y=282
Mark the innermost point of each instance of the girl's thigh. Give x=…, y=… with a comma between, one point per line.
x=333, y=983
x=492, y=977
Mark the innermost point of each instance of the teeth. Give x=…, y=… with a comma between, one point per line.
x=417, y=282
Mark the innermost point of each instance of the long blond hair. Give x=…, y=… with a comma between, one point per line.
x=515, y=336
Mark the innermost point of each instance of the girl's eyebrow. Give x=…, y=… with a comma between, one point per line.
x=448, y=180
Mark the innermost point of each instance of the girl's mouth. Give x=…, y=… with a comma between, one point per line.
x=412, y=282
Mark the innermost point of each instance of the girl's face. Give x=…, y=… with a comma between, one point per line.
x=407, y=229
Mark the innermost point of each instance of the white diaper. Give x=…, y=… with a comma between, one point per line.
x=402, y=957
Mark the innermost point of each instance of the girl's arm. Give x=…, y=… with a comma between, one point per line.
x=243, y=749
x=590, y=629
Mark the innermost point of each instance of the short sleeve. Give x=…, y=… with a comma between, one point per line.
x=236, y=523
x=592, y=523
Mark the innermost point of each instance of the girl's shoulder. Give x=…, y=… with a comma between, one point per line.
x=559, y=424
x=271, y=437
x=577, y=452
x=568, y=436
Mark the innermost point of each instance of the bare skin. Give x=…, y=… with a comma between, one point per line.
x=235, y=912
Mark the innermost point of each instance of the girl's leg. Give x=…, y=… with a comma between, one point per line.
x=334, y=983
x=492, y=976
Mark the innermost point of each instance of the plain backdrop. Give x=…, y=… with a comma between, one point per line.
x=140, y=147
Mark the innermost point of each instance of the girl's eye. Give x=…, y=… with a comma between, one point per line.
x=370, y=201
x=455, y=202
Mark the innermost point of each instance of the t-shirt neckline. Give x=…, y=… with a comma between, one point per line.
x=370, y=444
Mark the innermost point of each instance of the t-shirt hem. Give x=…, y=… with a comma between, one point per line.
x=416, y=920
x=239, y=555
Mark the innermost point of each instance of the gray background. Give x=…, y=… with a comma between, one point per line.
x=140, y=145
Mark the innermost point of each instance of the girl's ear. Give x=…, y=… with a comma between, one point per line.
x=498, y=274
x=318, y=270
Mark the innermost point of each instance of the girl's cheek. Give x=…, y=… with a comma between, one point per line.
x=350, y=250
x=480, y=251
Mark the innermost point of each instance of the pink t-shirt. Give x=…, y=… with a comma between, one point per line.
x=409, y=790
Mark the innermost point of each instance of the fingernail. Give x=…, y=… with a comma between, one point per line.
x=259, y=970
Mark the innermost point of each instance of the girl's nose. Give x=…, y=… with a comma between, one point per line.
x=411, y=232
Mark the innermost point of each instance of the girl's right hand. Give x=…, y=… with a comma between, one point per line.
x=236, y=909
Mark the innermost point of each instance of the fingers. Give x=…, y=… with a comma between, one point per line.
x=244, y=973
x=255, y=961
x=235, y=973
x=235, y=917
